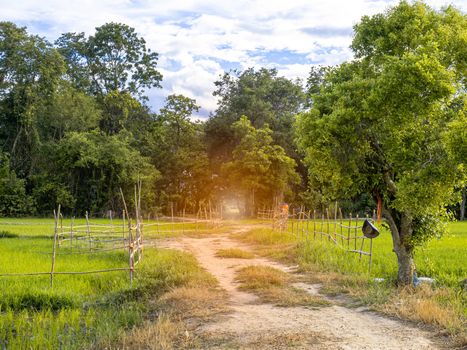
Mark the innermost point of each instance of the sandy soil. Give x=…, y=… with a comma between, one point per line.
x=253, y=325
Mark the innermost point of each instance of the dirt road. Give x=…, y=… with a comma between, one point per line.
x=253, y=325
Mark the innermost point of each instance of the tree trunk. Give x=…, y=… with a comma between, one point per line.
x=401, y=226
x=406, y=266
x=462, y=204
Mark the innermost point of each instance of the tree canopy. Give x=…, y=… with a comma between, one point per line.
x=379, y=123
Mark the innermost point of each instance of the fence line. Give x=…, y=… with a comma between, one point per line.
x=333, y=227
x=94, y=238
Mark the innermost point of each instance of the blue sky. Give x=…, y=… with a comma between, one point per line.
x=197, y=40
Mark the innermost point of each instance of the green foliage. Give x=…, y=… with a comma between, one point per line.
x=176, y=146
x=263, y=96
x=13, y=198
x=30, y=70
x=378, y=124
x=113, y=45
x=260, y=170
x=80, y=311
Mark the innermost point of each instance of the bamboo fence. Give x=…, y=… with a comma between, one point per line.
x=329, y=225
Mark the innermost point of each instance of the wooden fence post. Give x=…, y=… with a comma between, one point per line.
x=88, y=231
x=335, y=223
x=355, y=232
x=123, y=229
x=314, y=223
x=71, y=232
x=52, y=270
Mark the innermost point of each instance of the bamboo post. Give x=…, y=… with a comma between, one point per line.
x=210, y=211
x=123, y=229
x=111, y=224
x=71, y=232
x=335, y=223
x=348, y=232
x=183, y=221
x=172, y=215
x=361, y=247
x=61, y=229
x=328, y=224
x=322, y=226
x=293, y=218
x=88, y=231
x=52, y=270
x=355, y=232
x=314, y=224
x=157, y=224
x=130, y=251
x=371, y=255
x=341, y=224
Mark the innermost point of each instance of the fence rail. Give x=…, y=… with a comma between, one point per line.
x=344, y=232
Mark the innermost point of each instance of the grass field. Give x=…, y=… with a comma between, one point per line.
x=80, y=311
x=443, y=304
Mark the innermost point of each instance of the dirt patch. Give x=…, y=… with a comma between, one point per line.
x=252, y=325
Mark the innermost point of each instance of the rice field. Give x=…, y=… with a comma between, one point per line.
x=79, y=311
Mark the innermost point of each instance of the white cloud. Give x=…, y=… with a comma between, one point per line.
x=193, y=37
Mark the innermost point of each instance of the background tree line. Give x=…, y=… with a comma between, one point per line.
x=388, y=127
x=75, y=125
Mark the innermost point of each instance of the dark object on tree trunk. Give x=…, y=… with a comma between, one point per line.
x=369, y=231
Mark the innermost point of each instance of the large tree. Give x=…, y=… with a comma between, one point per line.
x=175, y=145
x=379, y=123
x=30, y=72
x=264, y=97
x=115, y=58
x=260, y=170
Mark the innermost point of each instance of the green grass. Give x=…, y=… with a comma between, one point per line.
x=80, y=311
x=443, y=304
x=274, y=286
x=443, y=259
x=234, y=253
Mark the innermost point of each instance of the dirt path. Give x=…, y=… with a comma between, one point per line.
x=252, y=325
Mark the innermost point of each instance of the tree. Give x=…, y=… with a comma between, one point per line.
x=13, y=198
x=259, y=170
x=378, y=124
x=263, y=96
x=30, y=71
x=176, y=148
x=115, y=58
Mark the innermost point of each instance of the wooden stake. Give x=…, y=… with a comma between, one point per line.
x=355, y=232
x=314, y=224
x=88, y=231
x=123, y=229
x=52, y=270
x=71, y=232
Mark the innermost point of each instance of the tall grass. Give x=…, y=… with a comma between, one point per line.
x=80, y=311
x=442, y=304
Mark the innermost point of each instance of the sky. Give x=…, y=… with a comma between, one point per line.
x=198, y=40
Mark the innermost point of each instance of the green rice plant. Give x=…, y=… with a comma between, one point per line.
x=80, y=310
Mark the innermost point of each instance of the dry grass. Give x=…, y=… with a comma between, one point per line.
x=163, y=334
x=180, y=311
x=277, y=246
x=427, y=305
x=273, y=286
x=234, y=253
x=191, y=302
x=286, y=340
